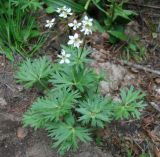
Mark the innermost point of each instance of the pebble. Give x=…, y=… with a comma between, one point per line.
x=21, y=133
x=157, y=80
x=3, y=102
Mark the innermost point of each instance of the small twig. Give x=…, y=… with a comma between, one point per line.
x=138, y=145
x=139, y=67
x=6, y=85
x=155, y=106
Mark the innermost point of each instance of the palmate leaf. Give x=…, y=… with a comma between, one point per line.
x=34, y=72
x=95, y=111
x=81, y=80
x=67, y=136
x=46, y=110
x=130, y=104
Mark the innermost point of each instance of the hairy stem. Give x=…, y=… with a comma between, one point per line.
x=42, y=84
x=83, y=45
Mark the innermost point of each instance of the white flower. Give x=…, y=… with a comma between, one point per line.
x=64, y=57
x=59, y=10
x=75, y=25
x=50, y=23
x=87, y=21
x=75, y=41
x=64, y=12
x=87, y=25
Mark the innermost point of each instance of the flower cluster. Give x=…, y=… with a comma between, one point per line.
x=84, y=26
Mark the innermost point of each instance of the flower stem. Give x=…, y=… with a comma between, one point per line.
x=112, y=13
x=83, y=45
x=87, y=4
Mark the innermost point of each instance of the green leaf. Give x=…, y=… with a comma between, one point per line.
x=118, y=34
x=81, y=79
x=50, y=109
x=120, y=12
x=67, y=136
x=98, y=27
x=18, y=30
x=97, y=1
x=50, y=9
x=130, y=104
x=95, y=111
x=34, y=72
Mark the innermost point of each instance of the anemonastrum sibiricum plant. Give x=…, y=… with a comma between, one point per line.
x=72, y=105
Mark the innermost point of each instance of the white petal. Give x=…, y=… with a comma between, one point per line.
x=71, y=37
x=63, y=52
x=79, y=24
x=46, y=25
x=58, y=10
x=68, y=10
x=63, y=14
x=70, y=13
x=68, y=55
x=80, y=41
x=74, y=28
x=59, y=56
x=53, y=20
x=77, y=44
x=70, y=42
x=82, y=30
x=67, y=61
x=86, y=17
x=75, y=21
x=62, y=61
x=64, y=7
x=70, y=24
x=75, y=35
